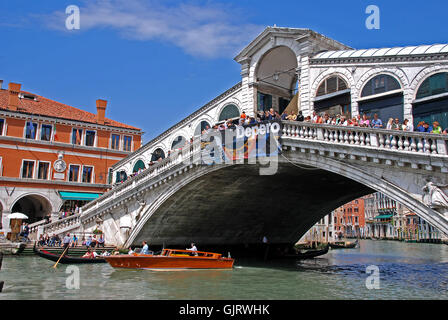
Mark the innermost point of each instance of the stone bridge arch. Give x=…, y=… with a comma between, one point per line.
x=346, y=182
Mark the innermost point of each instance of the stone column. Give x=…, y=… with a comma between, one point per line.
x=304, y=87
x=247, y=90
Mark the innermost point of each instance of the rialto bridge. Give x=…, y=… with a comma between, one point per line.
x=178, y=199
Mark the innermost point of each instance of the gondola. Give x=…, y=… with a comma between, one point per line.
x=343, y=245
x=308, y=254
x=67, y=259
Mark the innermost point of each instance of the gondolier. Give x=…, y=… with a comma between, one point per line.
x=66, y=242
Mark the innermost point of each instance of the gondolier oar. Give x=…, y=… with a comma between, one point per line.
x=63, y=253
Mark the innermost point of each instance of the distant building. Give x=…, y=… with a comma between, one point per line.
x=322, y=231
x=349, y=220
x=54, y=157
x=373, y=216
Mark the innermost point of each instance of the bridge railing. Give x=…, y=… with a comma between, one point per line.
x=62, y=223
x=34, y=226
x=188, y=154
x=427, y=143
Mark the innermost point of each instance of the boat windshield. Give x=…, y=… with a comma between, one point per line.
x=188, y=253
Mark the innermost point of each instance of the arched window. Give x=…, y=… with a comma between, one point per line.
x=380, y=84
x=385, y=106
x=331, y=85
x=435, y=105
x=333, y=97
x=433, y=85
x=179, y=142
x=157, y=154
x=201, y=127
x=139, y=165
x=230, y=111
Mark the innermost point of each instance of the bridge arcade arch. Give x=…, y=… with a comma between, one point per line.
x=276, y=79
x=431, y=99
x=382, y=94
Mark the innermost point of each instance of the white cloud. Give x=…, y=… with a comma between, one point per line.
x=200, y=29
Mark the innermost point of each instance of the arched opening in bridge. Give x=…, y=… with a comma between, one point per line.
x=373, y=216
x=431, y=103
x=157, y=155
x=230, y=111
x=333, y=97
x=178, y=143
x=382, y=95
x=139, y=165
x=276, y=78
x=36, y=207
x=121, y=176
x=204, y=125
x=237, y=205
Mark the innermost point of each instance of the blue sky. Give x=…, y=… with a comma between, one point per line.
x=157, y=61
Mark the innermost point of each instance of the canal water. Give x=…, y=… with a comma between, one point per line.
x=406, y=271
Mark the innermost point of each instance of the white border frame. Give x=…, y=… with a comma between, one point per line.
x=52, y=132
x=49, y=170
x=119, y=141
x=93, y=174
x=21, y=169
x=132, y=143
x=85, y=138
x=79, y=172
x=82, y=136
x=37, y=130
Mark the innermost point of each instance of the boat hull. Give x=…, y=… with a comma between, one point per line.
x=343, y=246
x=170, y=262
x=67, y=259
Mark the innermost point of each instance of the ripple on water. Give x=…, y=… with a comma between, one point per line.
x=407, y=271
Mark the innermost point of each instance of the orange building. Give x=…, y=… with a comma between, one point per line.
x=349, y=220
x=54, y=157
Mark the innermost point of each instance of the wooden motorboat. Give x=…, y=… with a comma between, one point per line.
x=171, y=259
x=343, y=245
x=66, y=259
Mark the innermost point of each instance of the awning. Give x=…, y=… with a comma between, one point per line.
x=66, y=195
x=384, y=216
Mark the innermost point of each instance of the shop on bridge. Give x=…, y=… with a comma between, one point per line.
x=431, y=103
x=333, y=97
x=382, y=95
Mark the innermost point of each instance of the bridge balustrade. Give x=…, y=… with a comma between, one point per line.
x=427, y=143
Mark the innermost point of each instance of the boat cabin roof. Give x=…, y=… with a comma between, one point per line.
x=180, y=253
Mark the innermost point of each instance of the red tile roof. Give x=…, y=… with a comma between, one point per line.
x=51, y=108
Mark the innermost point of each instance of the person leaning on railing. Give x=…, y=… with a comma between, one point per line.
x=436, y=128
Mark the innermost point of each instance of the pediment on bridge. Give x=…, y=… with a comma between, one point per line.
x=291, y=37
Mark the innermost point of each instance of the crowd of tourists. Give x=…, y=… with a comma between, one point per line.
x=55, y=241
x=365, y=121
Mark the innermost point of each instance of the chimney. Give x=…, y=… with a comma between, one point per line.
x=1, y=84
x=100, y=110
x=13, y=100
